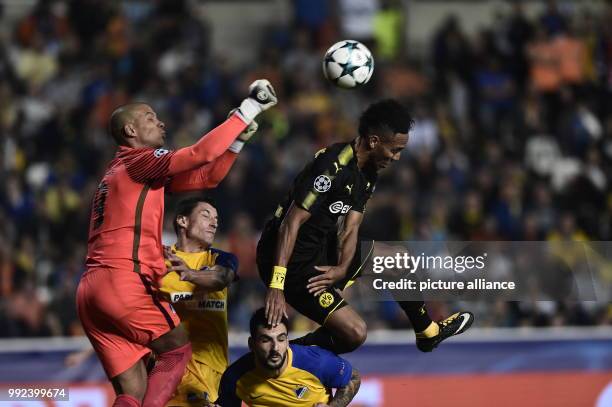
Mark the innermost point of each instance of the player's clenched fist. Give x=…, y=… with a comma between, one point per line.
x=262, y=91
x=261, y=97
x=176, y=264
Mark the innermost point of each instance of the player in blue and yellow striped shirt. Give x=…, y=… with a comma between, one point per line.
x=277, y=374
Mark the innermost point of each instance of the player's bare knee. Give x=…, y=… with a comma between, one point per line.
x=132, y=382
x=361, y=331
x=356, y=334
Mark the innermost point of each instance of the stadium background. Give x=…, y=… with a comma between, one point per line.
x=513, y=141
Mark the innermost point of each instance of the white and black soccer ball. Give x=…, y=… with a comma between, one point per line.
x=348, y=64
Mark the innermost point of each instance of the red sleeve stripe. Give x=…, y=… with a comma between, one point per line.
x=148, y=166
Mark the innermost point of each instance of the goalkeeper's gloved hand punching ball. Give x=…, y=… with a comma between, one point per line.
x=261, y=97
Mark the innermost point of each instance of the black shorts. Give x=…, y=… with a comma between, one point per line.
x=318, y=308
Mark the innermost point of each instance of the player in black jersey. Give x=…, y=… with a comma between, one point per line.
x=293, y=254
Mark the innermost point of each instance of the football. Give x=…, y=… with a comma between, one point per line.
x=348, y=64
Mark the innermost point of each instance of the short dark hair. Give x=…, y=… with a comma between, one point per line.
x=385, y=116
x=187, y=205
x=119, y=118
x=259, y=319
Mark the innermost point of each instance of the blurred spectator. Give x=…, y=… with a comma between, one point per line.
x=357, y=18
x=544, y=60
x=451, y=53
x=495, y=89
x=389, y=30
x=313, y=16
x=424, y=136
x=572, y=58
x=242, y=240
x=552, y=19
x=518, y=31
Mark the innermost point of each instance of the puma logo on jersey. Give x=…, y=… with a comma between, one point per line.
x=349, y=187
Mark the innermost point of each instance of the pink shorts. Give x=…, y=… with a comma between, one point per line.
x=121, y=314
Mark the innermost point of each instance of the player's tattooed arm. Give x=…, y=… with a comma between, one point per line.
x=345, y=394
x=213, y=278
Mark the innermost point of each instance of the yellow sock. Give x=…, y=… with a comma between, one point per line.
x=432, y=330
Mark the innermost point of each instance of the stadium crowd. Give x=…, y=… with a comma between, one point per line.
x=512, y=141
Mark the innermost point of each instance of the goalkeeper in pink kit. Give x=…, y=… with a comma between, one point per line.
x=117, y=298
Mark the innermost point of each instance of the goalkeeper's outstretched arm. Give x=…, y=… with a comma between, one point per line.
x=217, y=141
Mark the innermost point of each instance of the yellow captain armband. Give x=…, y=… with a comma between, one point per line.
x=278, y=277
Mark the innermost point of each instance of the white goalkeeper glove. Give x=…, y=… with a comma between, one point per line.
x=261, y=97
x=248, y=132
x=244, y=136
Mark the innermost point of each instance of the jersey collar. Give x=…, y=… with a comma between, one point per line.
x=174, y=249
x=122, y=150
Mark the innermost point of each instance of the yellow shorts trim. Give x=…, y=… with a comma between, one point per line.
x=333, y=310
x=367, y=257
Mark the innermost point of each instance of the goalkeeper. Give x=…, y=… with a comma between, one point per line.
x=116, y=297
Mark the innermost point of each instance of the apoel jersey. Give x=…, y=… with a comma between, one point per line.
x=310, y=375
x=204, y=315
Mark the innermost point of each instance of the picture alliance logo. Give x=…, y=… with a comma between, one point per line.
x=339, y=207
